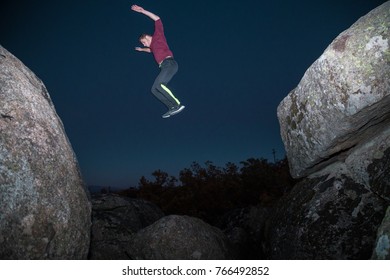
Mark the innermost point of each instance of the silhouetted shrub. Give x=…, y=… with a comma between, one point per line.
x=209, y=191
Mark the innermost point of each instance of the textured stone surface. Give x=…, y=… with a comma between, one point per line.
x=245, y=229
x=44, y=208
x=114, y=220
x=366, y=164
x=180, y=238
x=343, y=98
x=326, y=218
x=382, y=245
x=379, y=175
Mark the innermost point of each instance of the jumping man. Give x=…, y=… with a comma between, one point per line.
x=157, y=45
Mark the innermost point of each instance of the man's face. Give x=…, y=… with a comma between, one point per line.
x=146, y=41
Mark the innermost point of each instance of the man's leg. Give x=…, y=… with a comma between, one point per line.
x=160, y=90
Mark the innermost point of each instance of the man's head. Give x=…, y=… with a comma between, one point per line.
x=145, y=40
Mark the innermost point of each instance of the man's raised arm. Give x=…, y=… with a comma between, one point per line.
x=141, y=10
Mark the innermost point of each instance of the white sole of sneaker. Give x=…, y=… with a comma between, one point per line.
x=178, y=111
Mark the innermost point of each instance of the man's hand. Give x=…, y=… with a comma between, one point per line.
x=141, y=10
x=137, y=8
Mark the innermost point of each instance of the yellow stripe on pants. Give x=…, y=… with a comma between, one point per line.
x=170, y=93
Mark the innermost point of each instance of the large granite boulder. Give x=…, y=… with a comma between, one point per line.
x=334, y=213
x=114, y=220
x=343, y=99
x=180, y=238
x=44, y=209
x=336, y=129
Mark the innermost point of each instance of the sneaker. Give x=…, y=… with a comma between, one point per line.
x=173, y=111
x=167, y=114
x=177, y=109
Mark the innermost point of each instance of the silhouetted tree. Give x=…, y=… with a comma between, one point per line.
x=208, y=191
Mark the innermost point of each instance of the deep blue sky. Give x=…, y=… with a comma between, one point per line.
x=237, y=61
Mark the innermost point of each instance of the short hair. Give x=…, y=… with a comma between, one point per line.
x=143, y=36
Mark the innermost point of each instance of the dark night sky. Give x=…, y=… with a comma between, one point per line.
x=237, y=61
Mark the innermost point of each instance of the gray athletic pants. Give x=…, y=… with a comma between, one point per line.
x=168, y=69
